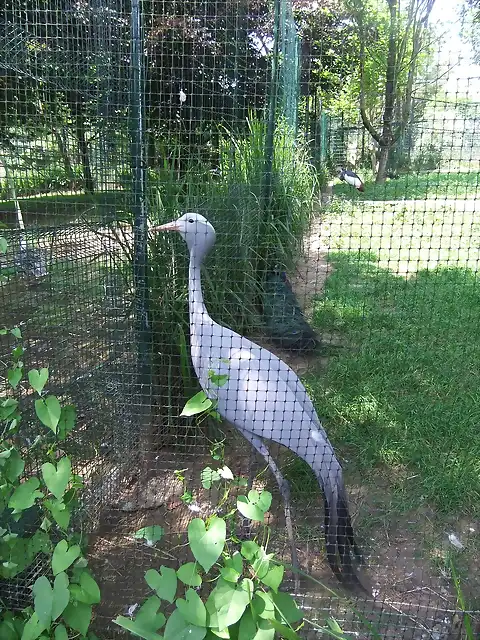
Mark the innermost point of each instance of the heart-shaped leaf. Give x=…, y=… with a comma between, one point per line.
x=33, y=628
x=164, y=583
x=48, y=412
x=57, y=478
x=38, y=379
x=207, y=544
x=226, y=473
x=87, y=591
x=208, y=476
x=14, y=376
x=197, y=404
x=217, y=379
x=262, y=605
x=177, y=628
x=7, y=408
x=255, y=505
x=284, y=632
x=25, y=495
x=14, y=465
x=67, y=421
x=261, y=564
x=16, y=332
x=229, y=574
x=188, y=574
x=136, y=628
x=61, y=595
x=227, y=603
x=286, y=607
x=249, y=550
x=78, y=616
x=233, y=568
x=149, y=615
x=3, y=245
x=61, y=633
x=151, y=534
x=63, y=557
x=60, y=512
x=43, y=600
x=274, y=577
x=247, y=628
x=193, y=609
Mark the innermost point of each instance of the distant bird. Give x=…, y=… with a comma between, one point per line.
x=264, y=399
x=30, y=261
x=351, y=178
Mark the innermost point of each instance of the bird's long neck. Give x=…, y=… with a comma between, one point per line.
x=198, y=311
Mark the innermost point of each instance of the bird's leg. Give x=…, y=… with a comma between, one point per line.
x=284, y=487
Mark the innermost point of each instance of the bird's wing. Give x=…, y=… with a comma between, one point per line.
x=259, y=392
x=353, y=179
x=225, y=352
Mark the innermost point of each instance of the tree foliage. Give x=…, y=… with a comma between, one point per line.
x=394, y=52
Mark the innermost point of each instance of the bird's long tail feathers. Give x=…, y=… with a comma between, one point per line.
x=343, y=552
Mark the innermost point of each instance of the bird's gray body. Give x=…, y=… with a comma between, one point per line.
x=31, y=262
x=263, y=394
x=264, y=399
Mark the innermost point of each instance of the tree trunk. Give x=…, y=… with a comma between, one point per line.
x=62, y=148
x=77, y=109
x=89, y=185
x=386, y=140
x=382, y=164
x=152, y=160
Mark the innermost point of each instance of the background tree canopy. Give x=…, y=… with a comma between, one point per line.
x=209, y=64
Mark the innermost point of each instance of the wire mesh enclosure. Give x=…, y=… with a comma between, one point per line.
x=334, y=146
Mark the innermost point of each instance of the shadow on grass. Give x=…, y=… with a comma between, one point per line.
x=420, y=186
x=405, y=393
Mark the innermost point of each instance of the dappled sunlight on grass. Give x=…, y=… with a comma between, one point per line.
x=407, y=389
x=406, y=238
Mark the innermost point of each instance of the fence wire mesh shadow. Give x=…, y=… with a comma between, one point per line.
x=115, y=116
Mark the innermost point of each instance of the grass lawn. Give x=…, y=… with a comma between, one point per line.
x=422, y=186
x=403, y=394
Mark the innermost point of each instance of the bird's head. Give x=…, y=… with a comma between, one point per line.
x=196, y=230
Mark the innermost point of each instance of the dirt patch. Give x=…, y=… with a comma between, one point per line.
x=413, y=598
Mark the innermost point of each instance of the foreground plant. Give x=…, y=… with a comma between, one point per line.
x=229, y=590
x=38, y=493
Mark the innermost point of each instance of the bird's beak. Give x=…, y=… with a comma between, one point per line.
x=170, y=226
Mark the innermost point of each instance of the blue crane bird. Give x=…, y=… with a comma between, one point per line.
x=264, y=399
x=351, y=178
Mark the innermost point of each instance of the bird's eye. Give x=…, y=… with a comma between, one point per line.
x=191, y=220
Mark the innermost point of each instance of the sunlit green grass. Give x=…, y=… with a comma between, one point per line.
x=403, y=395
x=421, y=186
x=406, y=237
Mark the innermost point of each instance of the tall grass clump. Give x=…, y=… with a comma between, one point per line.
x=279, y=203
x=256, y=230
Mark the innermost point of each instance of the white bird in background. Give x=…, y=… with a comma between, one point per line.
x=182, y=96
x=351, y=178
x=264, y=398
